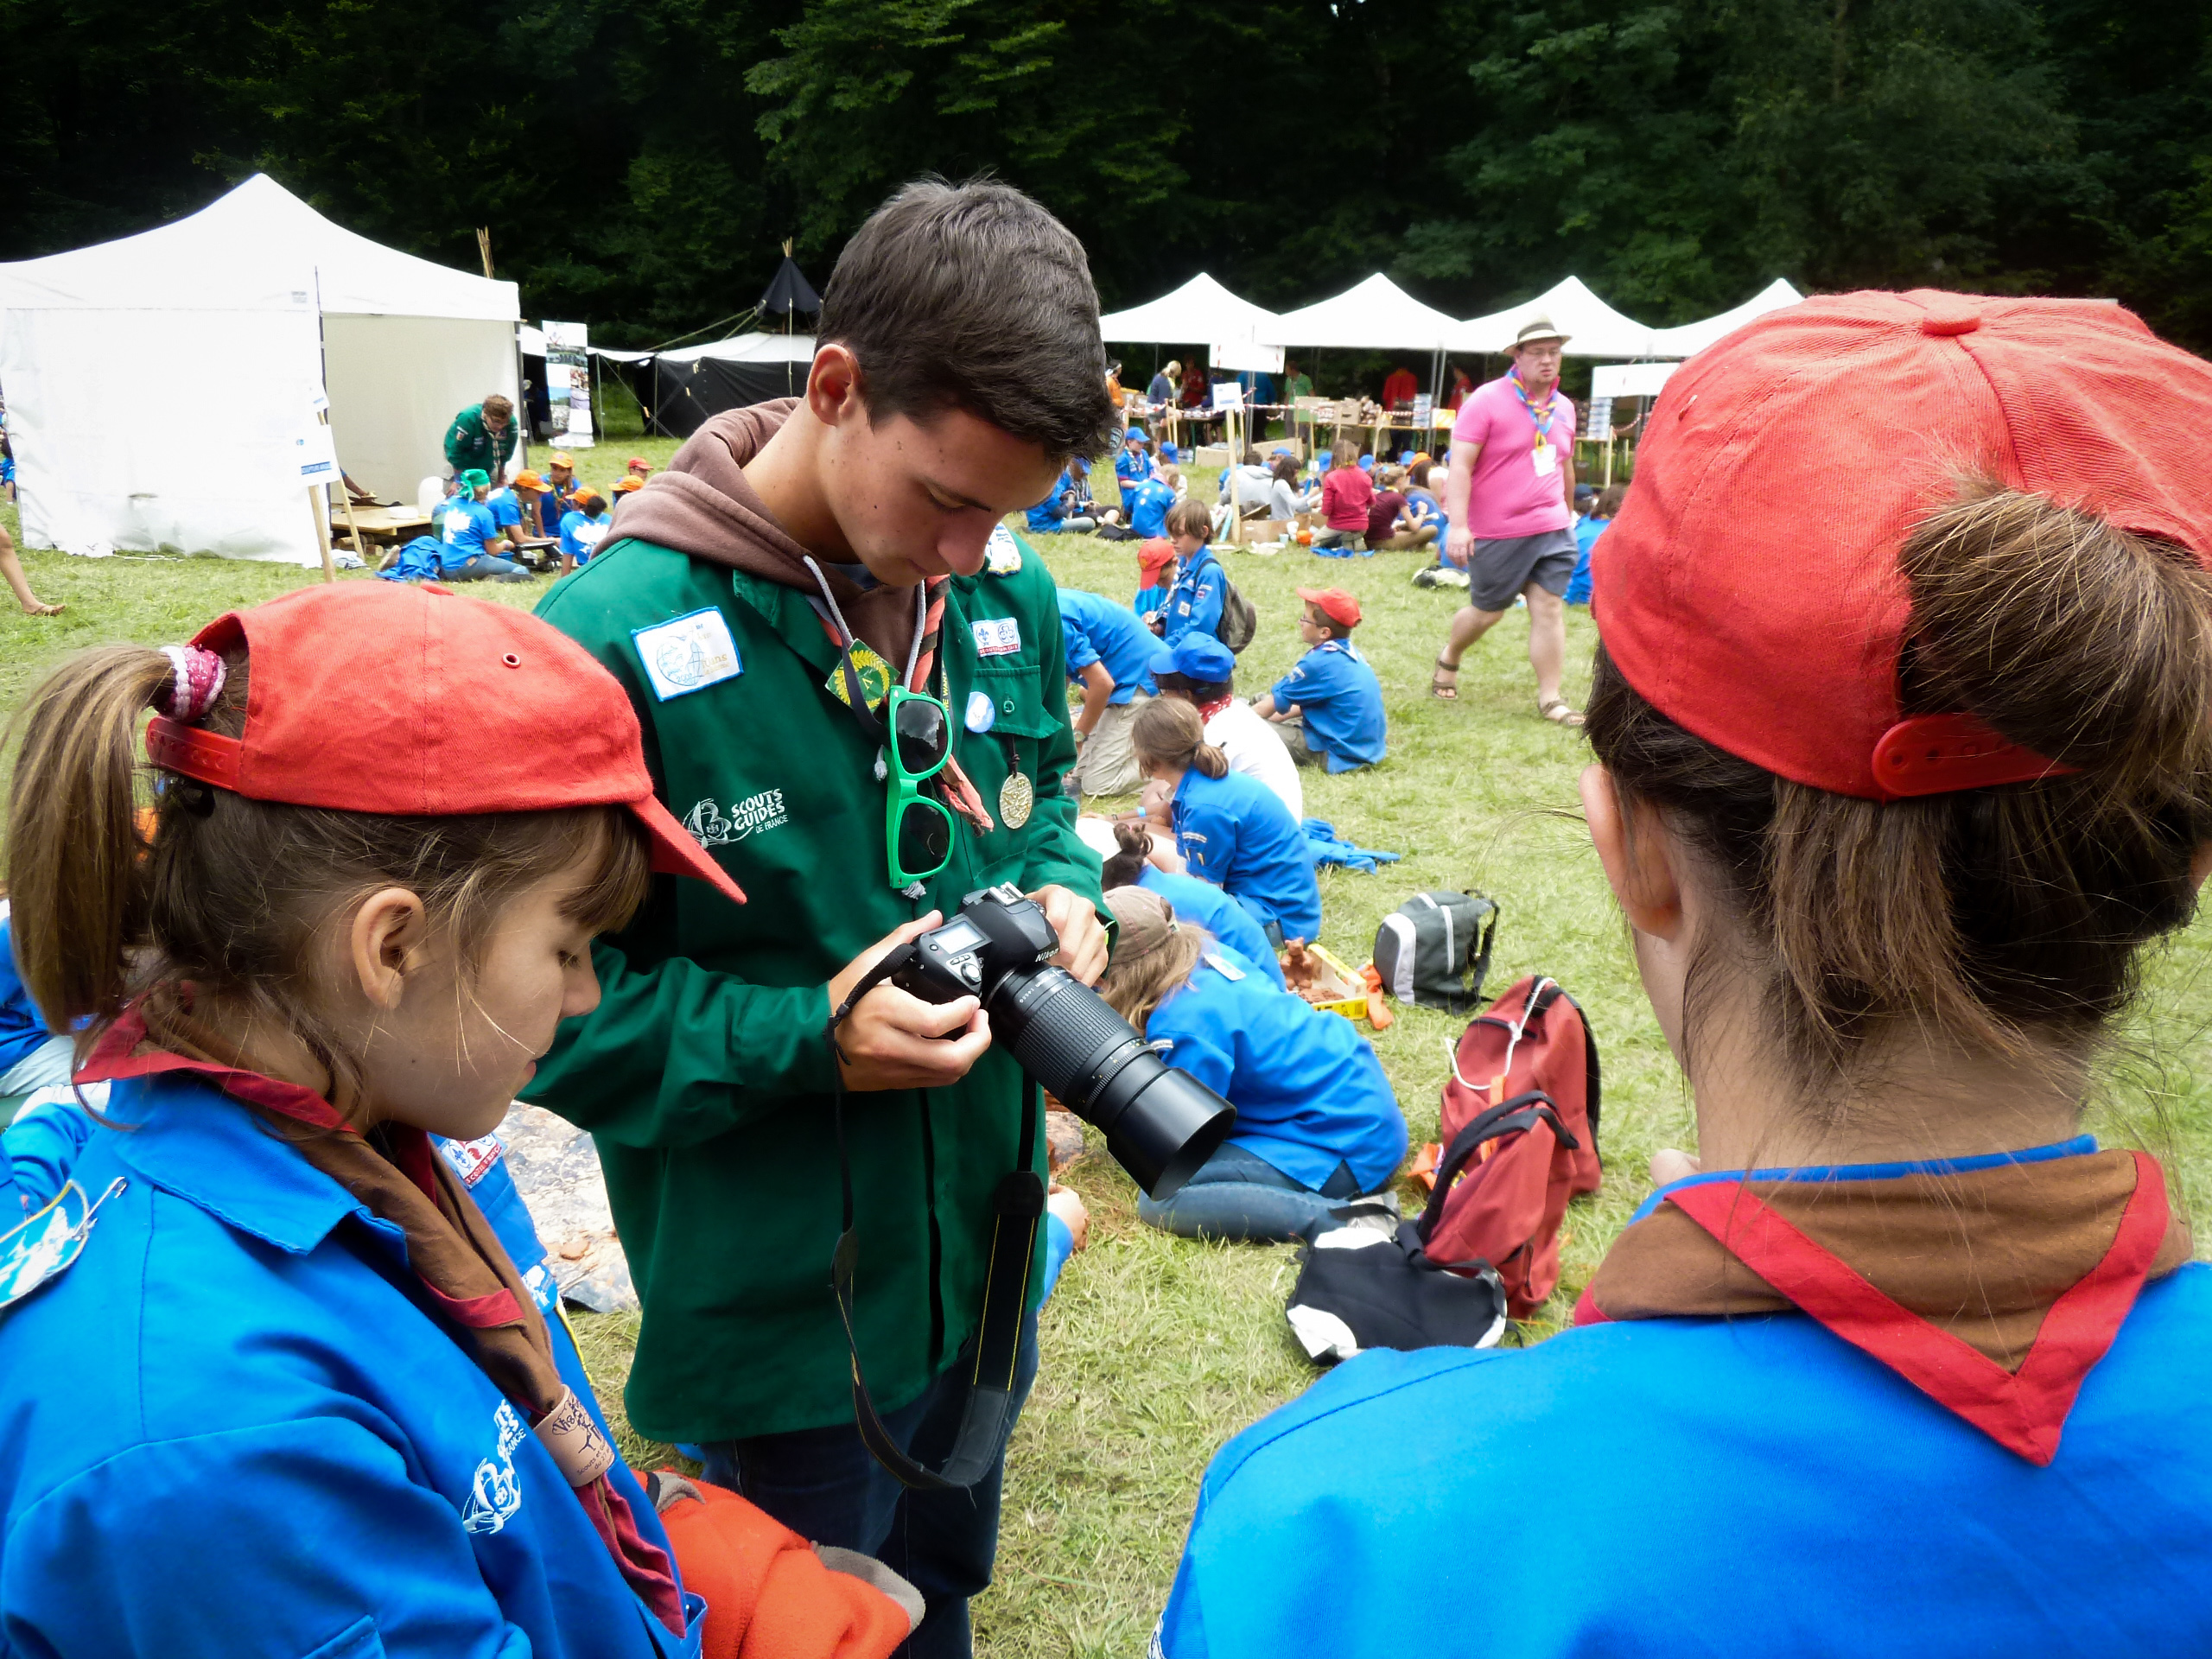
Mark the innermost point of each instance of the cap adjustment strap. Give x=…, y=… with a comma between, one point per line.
x=192, y=752
x=1938, y=755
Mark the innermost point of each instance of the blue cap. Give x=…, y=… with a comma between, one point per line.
x=1367, y=463
x=1169, y=452
x=1279, y=449
x=1406, y=459
x=1196, y=656
x=1136, y=432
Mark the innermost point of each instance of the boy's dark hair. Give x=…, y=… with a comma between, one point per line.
x=1201, y=690
x=1189, y=517
x=972, y=296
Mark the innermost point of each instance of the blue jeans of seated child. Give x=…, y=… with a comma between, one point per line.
x=477, y=566
x=1241, y=1196
x=824, y=1484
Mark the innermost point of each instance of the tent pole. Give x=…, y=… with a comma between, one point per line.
x=321, y=531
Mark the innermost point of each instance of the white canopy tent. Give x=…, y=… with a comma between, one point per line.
x=1692, y=338
x=1201, y=312
x=160, y=387
x=1375, y=315
x=1593, y=329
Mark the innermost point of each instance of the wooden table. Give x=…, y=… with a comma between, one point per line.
x=385, y=525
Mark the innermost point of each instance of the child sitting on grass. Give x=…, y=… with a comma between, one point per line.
x=583, y=527
x=1194, y=603
x=1199, y=670
x=1137, y=864
x=1317, y=1124
x=1155, y=579
x=1229, y=828
x=1329, y=709
x=295, y=1393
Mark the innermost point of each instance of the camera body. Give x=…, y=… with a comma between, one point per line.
x=1160, y=1124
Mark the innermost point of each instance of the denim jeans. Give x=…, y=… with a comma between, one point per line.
x=477, y=566
x=1239, y=1195
x=824, y=1485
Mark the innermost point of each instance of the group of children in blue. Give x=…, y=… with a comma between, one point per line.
x=481, y=523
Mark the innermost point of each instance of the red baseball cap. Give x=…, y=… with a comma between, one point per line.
x=1339, y=607
x=1154, y=553
x=1750, y=589
x=367, y=697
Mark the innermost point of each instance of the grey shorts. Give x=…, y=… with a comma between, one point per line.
x=1500, y=569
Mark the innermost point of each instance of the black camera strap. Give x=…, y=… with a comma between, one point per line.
x=1018, y=1209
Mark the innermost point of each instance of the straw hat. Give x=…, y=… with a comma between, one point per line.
x=1538, y=328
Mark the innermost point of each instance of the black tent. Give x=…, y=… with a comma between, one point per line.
x=789, y=292
x=679, y=389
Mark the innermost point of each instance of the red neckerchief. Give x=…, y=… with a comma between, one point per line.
x=2025, y=1411
x=1208, y=710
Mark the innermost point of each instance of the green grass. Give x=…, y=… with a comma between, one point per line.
x=1156, y=1349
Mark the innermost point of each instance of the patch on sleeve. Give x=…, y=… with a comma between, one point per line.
x=996, y=636
x=1002, y=554
x=688, y=654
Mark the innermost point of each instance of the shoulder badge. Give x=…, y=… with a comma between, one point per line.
x=1002, y=554
x=688, y=654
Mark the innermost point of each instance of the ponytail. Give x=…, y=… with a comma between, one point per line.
x=76, y=866
x=1168, y=733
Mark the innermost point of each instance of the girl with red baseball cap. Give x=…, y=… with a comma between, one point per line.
x=1903, y=725
x=273, y=1383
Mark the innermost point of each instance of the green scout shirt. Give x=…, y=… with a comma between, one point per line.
x=469, y=444
x=704, y=1074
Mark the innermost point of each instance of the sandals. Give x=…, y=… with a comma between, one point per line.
x=1438, y=689
x=1557, y=711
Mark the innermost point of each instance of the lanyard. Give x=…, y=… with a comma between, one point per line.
x=1544, y=426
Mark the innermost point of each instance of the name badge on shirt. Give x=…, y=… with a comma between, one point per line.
x=1545, y=458
x=689, y=654
x=1223, y=966
x=996, y=636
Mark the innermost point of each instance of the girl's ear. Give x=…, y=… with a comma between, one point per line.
x=388, y=942
x=1639, y=866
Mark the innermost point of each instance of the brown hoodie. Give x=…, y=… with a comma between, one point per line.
x=702, y=505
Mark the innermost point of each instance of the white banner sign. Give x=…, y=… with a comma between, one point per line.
x=1630, y=379
x=568, y=383
x=1241, y=355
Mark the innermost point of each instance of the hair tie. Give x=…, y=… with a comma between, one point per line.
x=196, y=680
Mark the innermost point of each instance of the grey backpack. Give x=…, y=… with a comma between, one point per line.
x=1434, y=950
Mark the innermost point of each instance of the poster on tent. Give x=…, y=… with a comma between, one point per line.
x=317, y=453
x=568, y=382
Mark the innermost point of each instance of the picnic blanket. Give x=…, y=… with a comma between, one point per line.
x=1327, y=848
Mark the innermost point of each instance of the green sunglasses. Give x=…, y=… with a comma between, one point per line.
x=918, y=830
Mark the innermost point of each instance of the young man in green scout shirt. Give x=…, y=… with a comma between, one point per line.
x=482, y=437
x=958, y=367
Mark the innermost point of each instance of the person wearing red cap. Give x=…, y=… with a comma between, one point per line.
x=1509, y=496
x=761, y=600
x=1156, y=571
x=1899, y=1361
x=1329, y=708
x=293, y=1378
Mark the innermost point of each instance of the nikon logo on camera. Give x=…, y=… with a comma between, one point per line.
x=711, y=828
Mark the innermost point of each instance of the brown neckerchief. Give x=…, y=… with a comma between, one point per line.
x=451, y=1248
x=1980, y=1253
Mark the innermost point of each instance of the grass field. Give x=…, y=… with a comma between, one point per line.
x=1157, y=1350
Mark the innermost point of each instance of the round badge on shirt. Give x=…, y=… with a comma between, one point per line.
x=982, y=716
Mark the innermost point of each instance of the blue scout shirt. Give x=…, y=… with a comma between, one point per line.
x=40, y=1146
x=1131, y=468
x=1049, y=514
x=234, y=1426
x=506, y=510
x=22, y=1028
x=1587, y=529
x=1148, y=503
x=1309, y=1093
x=581, y=534
x=1097, y=630
x=1335, y=687
x=464, y=527
x=1194, y=603
x=1206, y=905
x=1846, y=1512
x=1235, y=832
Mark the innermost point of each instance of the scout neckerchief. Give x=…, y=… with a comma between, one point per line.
x=1543, y=424
x=451, y=1250
x=952, y=786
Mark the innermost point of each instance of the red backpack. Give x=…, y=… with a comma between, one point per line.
x=1520, y=1139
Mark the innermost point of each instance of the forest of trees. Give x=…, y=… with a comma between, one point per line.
x=638, y=162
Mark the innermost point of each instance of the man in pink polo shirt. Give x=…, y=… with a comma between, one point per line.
x=1510, y=498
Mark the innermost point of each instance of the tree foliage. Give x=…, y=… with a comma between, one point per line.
x=637, y=160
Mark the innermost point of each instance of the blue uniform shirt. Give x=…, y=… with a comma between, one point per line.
x=1309, y=1093
x=1335, y=687
x=234, y=1427
x=1097, y=630
x=1194, y=603
x=1235, y=832
x=1148, y=503
x=1131, y=469
x=464, y=527
x=22, y=1029
x=506, y=510
x=1587, y=529
x=1206, y=905
x=1836, y=1508
x=581, y=534
x=1049, y=514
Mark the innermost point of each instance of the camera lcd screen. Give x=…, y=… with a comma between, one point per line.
x=959, y=935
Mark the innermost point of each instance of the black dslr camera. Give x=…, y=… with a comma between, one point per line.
x=1160, y=1124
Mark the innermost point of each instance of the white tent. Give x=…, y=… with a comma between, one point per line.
x=1376, y=315
x=1200, y=312
x=1593, y=329
x=1693, y=337
x=159, y=386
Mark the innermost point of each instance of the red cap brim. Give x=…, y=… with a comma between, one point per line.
x=674, y=853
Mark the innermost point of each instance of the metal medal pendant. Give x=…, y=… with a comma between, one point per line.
x=1016, y=797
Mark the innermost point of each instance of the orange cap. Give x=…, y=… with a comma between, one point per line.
x=557, y=459
x=624, y=486
x=528, y=481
